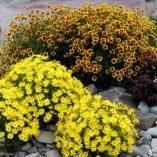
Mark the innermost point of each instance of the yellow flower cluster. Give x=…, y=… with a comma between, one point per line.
x=29, y=92
x=95, y=42
x=94, y=127
x=36, y=91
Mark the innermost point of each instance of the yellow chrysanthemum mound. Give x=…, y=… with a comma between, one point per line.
x=95, y=127
x=36, y=91
x=100, y=43
x=29, y=93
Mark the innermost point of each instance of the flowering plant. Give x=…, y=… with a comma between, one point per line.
x=95, y=127
x=28, y=94
x=37, y=91
x=145, y=88
x=99, y=43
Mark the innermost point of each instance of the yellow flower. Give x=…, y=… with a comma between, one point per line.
x=2, y=134
x=47, y=117
x=96, y=128
x=10, y=136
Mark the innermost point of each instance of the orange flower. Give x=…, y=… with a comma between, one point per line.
x=122, y=72
x=94, y=70
x=53, y=53
x=104, y=33
x=78, y=62
x=90, y=50
x=130, y=71
x=105, y=47
x=44, y=38
x=45, y=54
x=94, y=78
x=114, y=75
x=113, y=60
x=38, y=32
x=8, y=35
x=112, y=51
x=112, y=69
x=99, y=67
x=119, y=78
x=118, y=40
x=120, y=55
x=50, y=41
x=107, y=72
x=117, y=72
x=30, y=53
x=39, y=39
x=137, y=68
x=87, y=55
x=99, y=58
x=134, y=73
x=103, y=41
x=111, y=40
x=128, y=76
x=117, y=31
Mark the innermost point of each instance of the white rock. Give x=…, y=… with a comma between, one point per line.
x=146, y=135
x=32, y=150
x=153, y=131
x=143, y=106
x=136, y=151
x=52, y=153
x=26, y=147
x=37, y=144
x=154, y=154
x=154, y=144
x=20, y=154
x=141, y=150
x=45, y=137
x=147, y=120
x=33, y=155
x=150, y=152
x=153, y=109
x=154, y=151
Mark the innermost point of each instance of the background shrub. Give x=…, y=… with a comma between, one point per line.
x=29, y=93
x=95, y=127
x=100, y=43
x=145, y=88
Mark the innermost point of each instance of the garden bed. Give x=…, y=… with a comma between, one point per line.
x=74, y=82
